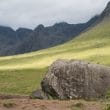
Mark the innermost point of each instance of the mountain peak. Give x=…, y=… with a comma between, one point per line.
x=39, y=27
x=108, y=5
x=106, y=12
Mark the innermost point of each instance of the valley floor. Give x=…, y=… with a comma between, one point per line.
x=29, y=104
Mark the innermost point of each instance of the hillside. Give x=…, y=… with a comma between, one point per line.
x=21, y=74
x=92, y=45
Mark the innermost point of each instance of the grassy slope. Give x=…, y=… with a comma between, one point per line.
x=22, y=74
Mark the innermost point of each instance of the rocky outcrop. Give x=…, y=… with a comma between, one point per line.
x=76, y=79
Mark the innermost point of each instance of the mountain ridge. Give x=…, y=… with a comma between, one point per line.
x=25, y=40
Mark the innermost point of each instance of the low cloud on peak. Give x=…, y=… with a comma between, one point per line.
x=29, y=13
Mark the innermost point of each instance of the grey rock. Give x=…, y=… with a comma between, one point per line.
x=39, y=94
x=76, y=79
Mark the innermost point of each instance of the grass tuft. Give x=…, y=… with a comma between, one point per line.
x=77, y=106
x=107, y=107
x=9, y=104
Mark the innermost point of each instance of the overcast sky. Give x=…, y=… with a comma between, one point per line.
x=30, y=13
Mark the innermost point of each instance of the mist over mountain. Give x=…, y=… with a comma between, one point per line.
x=25, y=40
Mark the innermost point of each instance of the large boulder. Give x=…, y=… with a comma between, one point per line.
x=76, y=79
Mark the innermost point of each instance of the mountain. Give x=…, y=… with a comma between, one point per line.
x=106, y=12
x=22, y=74
x=26, y=40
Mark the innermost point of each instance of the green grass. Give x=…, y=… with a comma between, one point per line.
x=21, y=74
x=20, y=81
x=77, y=106
x=107, y=107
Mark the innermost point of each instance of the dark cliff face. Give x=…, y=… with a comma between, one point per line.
x=22, y=33
x=7, y=39
x=26, y=40
x=45, y=37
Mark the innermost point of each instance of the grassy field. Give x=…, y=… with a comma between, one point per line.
x=20, y=81
x=21, y=74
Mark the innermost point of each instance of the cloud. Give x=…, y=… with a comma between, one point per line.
x=30, y=13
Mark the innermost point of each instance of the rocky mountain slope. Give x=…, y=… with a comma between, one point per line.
x=26, y=40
